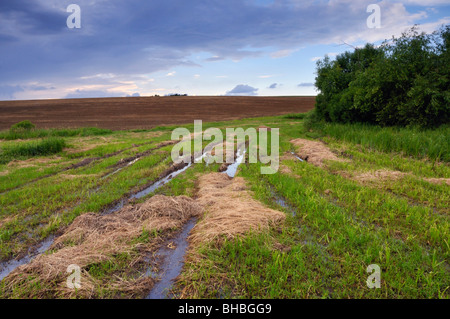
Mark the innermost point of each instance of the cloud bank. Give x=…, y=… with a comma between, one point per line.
x=136, y=38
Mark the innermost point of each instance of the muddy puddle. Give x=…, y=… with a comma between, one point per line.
x=172, y=257
x=297, y=157
x=172, y=262
x=7, y=267
x=230, y=171
x=281, y=201
x=232, y=168
x=160, y=183
x=120, y=168
x=148, y=190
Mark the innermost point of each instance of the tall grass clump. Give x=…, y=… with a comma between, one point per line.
x=295, y=116
x=420, y=143
x=15, y=132
x=48, y=146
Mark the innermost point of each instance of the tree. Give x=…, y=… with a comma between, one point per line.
x=405, y=81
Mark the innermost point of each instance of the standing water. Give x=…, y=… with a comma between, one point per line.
x=7, y=267
x=232, y=168
x=152, y=187
x=160, y=183
x=173, y=261
x=297, y=157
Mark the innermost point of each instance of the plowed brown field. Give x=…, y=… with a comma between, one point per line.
x=146, y=112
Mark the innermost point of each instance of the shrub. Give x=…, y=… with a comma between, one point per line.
x=23, y=126
x=405, y=82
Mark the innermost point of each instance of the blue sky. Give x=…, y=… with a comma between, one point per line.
x=194, y=47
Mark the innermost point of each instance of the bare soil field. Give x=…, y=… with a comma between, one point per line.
x=146, y=112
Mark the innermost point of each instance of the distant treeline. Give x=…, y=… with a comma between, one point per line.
x=403, y=82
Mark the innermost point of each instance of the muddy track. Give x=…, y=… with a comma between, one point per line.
x=351, y=216
x=126, y=161
x=35, y=247
x=124, y=200
x=170, y=261
x=172, y=254
x=315, y=152
x=175, y=257
x=87, y=161
x=152, y=185
x=8, y=266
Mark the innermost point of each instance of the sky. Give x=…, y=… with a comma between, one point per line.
x=194, y=47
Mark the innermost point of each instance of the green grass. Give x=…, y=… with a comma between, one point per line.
x=332, y=241
x=419, y=143
x=42, y=207
x=341, y=225
x=15, y=134
x=340, y=228
x=25, y=150
x=296, y=116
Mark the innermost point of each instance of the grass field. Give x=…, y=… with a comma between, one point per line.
x=380, y=197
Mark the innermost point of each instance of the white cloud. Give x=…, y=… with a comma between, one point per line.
x=281, y=54
x=78, y=94
x=424, y=3
x=99, y=76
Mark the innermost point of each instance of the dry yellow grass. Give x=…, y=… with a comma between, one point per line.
x=93, y=238
x=314, y=152
x=286, y=170
x=438, y=180
x=389, y=175
x=379, y=175
x=230, y=210
x=6, y=220
x=31, y=162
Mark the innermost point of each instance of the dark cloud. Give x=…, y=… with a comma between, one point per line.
x=142, y=37
x=7, y=91
x=40, y=87
x=273, y=86
x=214, y=59
x=6, y=39
x=146, y=36
x=32, y=17
x=242, y=89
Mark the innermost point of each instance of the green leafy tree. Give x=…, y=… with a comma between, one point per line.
x=403, y=82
